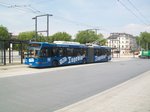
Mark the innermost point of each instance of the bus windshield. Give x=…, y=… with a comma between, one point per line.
x=34, y=52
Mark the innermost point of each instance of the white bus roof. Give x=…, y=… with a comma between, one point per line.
x=66, y=42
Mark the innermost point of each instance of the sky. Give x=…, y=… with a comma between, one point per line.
x=71, y=16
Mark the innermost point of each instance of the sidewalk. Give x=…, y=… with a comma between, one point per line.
x=131, y=96
x=124, y=59
x=12, y=66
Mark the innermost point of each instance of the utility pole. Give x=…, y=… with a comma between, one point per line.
x=36, y=24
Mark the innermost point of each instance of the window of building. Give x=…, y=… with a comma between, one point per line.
x=127, y=46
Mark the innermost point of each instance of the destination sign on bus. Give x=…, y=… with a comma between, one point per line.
x=35, y=45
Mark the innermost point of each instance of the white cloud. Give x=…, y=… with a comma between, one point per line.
x=81, y=3
x=135, y=29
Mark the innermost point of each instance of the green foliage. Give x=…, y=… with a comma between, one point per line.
x=27, y=35
x=86, y=36
x=89, y=36
x=41, y=38
x=102, y=41
x=4, y=34
x=144, y=40
x=60, y=36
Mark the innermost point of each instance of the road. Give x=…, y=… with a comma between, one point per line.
x=51, y=90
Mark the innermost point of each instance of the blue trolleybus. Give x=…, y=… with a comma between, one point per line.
x=42, y=54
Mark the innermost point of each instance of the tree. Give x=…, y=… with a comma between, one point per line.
x=89, y=36
x=144, y=40
x=30, y=35
x=4, y=34
x=27, y=36
x=42, y=38
x=86, y=36
x=60, y=36
x=101, y=40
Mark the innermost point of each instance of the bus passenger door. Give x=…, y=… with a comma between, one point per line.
x=45, y=56
x=90, y=55
x=62, y=59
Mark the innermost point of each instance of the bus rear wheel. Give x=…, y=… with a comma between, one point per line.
x=84, y=61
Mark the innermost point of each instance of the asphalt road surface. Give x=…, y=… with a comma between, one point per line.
x=53, y=90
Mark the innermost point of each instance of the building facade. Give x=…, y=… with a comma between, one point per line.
x=122, y=43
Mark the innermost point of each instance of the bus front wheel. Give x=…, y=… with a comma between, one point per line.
x=55, y=63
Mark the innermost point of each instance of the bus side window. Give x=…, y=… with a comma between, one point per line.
x=69, y=51
x=65, y=51
x=103, y=51
x=96, y=53
x=106, y=52
x=55, y=51
x=45, y=52
x=84, y=52
x=62, y=51
x=76, y=52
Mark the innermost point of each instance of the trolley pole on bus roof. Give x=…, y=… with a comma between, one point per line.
x=36, y=24
x=95, y=29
